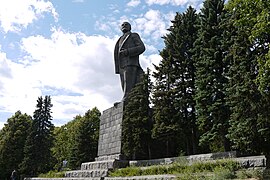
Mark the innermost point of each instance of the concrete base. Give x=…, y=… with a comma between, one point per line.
x=110, y=132
x=185, y=159
x=94, y=173
x=107, y=164
x=110, y=157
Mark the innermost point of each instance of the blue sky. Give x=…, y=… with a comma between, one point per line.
x=64, y=48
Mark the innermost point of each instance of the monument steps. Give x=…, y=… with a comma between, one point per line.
x=149, y=177
x=105, y=164
x=251, y=162
x=93, y=173
x=96, y=168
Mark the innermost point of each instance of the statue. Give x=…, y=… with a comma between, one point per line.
x=126, y=56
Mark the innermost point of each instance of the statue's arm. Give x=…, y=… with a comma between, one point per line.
x=139, y=47
x=116, y=58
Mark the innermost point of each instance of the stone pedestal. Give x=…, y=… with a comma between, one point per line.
x=110, y=133
x=109, y=146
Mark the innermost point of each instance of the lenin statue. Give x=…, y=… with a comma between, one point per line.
x=126, y=56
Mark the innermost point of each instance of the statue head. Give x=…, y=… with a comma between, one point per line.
x=125, y=27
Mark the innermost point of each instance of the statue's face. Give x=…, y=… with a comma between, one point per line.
x=125, y=27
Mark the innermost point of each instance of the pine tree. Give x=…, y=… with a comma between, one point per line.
x=12, y=140
x=243, y=96
x=37, y=150
x=185, y=33
x=211, y=108
x=166, y=128
x=174, y=105
x=136, y=132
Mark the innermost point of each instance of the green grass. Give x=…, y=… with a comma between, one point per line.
x=244, y=174
x=211, y=170
x=207, y=170
x=52, y=174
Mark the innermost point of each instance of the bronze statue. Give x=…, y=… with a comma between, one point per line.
x=126, y=56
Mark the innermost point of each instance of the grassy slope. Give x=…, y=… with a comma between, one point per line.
x=214, y=170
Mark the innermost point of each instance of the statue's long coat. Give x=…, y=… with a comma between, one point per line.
x=135, y=47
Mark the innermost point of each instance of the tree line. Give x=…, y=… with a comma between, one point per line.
x=33, y=145
x=211, y=88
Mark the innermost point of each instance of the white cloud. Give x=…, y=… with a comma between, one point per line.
x=65, y=61
x=133, y=3
x=102, y=26
x=152, y=24
x=194, y=3
x=150, y=61
x=160, y=2
x=18, y=14
x=5, y=71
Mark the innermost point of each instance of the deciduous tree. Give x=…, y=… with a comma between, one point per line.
x=12, y=140
x=250, y=76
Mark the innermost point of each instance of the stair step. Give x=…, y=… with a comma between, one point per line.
x=107, y=164
x=87, y=173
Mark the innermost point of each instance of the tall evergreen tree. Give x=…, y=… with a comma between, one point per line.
x=185, y=33
x=166, y=128
x=212, y=111
x=12, y=140
x=243, y=96
x=174, y=105
x=136, y=131
x=37, y=150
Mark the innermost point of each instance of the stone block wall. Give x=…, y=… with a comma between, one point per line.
x=110, y=132
x=185, y=159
